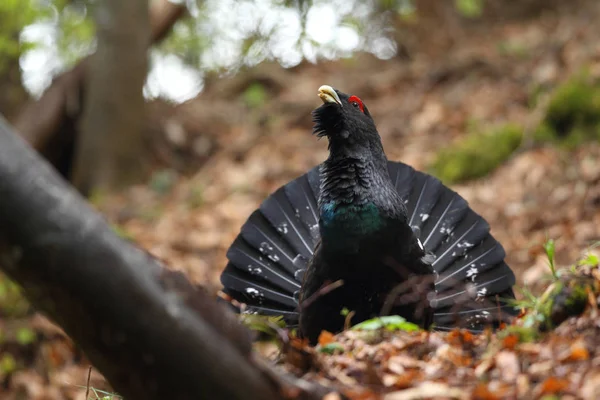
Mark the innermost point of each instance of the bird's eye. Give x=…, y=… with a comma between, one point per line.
x=356, y=102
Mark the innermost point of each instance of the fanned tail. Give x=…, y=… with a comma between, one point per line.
x=473, y=282
x=268, y=258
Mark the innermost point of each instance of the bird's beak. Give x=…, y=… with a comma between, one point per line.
x=328, y=95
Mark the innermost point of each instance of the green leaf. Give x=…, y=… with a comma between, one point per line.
x=331, y=348
x=390, y=322
x=550, y=249
x=591, y=260
x=26, y=336
x=263, y=323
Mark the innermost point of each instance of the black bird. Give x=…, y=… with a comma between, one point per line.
x=361, y=233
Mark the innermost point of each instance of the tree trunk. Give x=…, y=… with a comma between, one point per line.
x=109, y=151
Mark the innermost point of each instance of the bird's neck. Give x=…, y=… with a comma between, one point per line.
x=357, y=200
x=355, y=177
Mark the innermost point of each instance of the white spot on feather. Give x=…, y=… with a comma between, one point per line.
x=283, y=228
x=254, y=293
x=481, y=293
x=472, y=272
x=254, y=270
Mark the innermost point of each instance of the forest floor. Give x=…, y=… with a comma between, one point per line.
x=252, y=132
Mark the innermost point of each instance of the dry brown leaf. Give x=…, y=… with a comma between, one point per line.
x=591, y=386
x=482, y=392
x=553, y=385
x=428, y=390
x=578, y=352
x=510, y=341
x=508, y=365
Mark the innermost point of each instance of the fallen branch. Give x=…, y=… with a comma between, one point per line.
x=129, y=314
x=147, y=329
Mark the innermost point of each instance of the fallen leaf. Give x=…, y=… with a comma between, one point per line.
x=428, y=390
x=482, y=392
x=553, y=385
x=508, y=365
x=578, y=352
x=325, y=338
x=510, y=341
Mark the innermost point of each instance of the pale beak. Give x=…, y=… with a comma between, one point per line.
x=328, y=95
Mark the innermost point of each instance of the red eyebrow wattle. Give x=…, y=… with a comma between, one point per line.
x=353, y=99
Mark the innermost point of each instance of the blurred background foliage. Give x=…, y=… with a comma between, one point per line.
x=41, y=38
x=222, y=36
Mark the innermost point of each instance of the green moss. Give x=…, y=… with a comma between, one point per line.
x=8, y=364
x=573, y=114
x=477, y=154
x=12, y=302
x=255, y=95
x=469, y=8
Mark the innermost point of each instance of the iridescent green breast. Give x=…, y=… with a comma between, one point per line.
x=345, y=225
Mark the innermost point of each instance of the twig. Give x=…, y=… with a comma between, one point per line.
x=87, y=386
x=321, y=292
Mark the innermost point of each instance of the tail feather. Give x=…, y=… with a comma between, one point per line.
x=266, y=307
x=466, y=234
x=486, y=284
x=280, y=213
x=449, y=209
x=423, y=197
x=247, y=259
x=261, y=235
x=255, y=292
x=484, y=256
x=301, y=194
x=269, y=256
x=403, y=177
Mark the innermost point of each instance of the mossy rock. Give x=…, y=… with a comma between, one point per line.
x=477, y=154
x=573, y=114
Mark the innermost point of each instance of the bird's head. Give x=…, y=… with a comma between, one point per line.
x=344, y=119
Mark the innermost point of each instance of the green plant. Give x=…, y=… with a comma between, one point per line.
x=26, y=336
x=331, y=348
x=550, y=249
x=390, y=323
